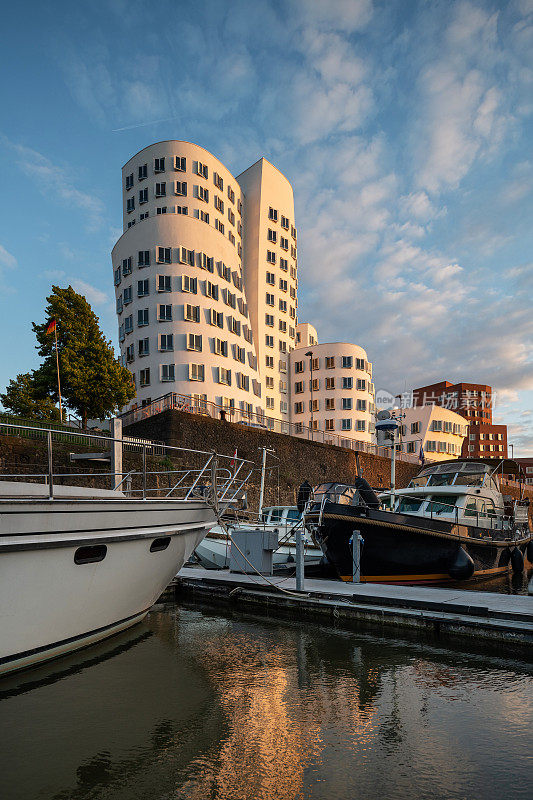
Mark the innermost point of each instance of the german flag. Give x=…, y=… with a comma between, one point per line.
x=50, y=328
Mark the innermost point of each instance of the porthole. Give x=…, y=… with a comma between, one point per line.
x=90, y=554
x=160, y=544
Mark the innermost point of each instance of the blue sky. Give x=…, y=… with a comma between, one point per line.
x=405, y=128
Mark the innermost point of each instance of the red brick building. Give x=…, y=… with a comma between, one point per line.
x=473, y=401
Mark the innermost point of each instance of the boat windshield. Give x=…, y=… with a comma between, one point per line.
x=336, y=493
x=420, y=480
x=409, y=505
x=472, y=479
x=442, y=504
x=445, y=479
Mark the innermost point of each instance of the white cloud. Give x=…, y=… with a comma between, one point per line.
x=7, y=259
x=94, y=296
x=344, y=15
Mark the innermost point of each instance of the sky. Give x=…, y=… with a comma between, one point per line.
x=405, y=128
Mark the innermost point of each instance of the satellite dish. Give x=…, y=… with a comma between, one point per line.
x=384, y=414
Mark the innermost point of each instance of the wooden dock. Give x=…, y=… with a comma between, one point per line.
x=501, y=619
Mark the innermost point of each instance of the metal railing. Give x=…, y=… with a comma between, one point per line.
x=194, y=405
x=208, y=480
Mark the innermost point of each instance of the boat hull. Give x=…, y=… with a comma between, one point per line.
x=402, y=549
x=53, y=600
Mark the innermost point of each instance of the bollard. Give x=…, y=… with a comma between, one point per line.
x=357, y=541
x=299, y=559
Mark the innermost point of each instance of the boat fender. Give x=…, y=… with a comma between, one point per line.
x=529, y=551
x=462, y=566
x=517, y=561
x=366, y=493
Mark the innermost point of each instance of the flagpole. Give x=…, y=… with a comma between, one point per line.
x=58, y=381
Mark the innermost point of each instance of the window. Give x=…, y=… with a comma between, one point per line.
x=164, y=255
x=127, y=295
x=204, y=216
x=128, y=324
x=142, y=172
x=219, y=204
x=269, y=360
x=361, y=424
x=347, y=383
x=142, y=317
x=187, y=256
x=181, y=188
x=283, y=306
x=282, y=285
x=271, y=257
x=218, y=181
x=166, y=342
x=269, y=299
x=219, y=226
x=206, y=262
x=211, y=290
x=243, y=381
x=196, y=372
x=415, y=427
x=160, y=189
x=360, y=405
x=163, y=283
x=283, y=264
x=299, y=408
x=347, y=362
x=203, y=193
x=143, y=196
x=269, y=382
x=182, y=210
x=144, y=347
x=283, y=326
x=298, y=387
x=269, y=340
x=194, y=342
x=269, y=402
x=231, y=194
x=330, y=362
x=235, y=325
x=191, y=313
x=118, y=278
x=201, y=169
x=164, y=313
x=284, y=243
x=315, y=363
x=159, y=164
x=126, y=266
x=314, y=405
x=330, y=383
x=180, y=163
x=346, y=403
x=293, y=232
x=119, y=305
x=189, y=284
x=411, y=447
x=360, y=385
x=299, y=366
x=224, y=376
x=144, y=377
x=231, y=216
x=130, y=204
x=269, y=320
x=144, y=216
x=270, y=278
x=330, y=404
x=346, y=424
x=272, y=236
x=161, y=210
x=143, y=288
x=221, y=347
x=130, y=353
x=216, y=318
x=273, y=214
x=330, y=425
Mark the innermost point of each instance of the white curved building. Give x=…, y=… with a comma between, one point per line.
x=184, y=323
x=337, y=394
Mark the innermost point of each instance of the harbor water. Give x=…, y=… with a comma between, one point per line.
x=198, y=704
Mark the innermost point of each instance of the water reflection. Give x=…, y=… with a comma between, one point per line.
x=194, y=705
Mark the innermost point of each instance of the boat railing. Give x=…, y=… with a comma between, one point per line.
x=483, y=519
x=219, y=479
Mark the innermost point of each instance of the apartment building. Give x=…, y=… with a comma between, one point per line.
x=271, y=278
x=439, y=431
x=474, y=402
x=198, y=244
x=331, y=388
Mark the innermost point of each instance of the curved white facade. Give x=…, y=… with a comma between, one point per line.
x=184, y=324
x=342, y=396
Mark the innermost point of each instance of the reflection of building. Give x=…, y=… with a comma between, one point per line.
x=474, y=402
x=332, y=389
x=527, y=469
x=441, y=432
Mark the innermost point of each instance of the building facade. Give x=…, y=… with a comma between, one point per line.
x=439, y=431
x=331, y=390
x=193, y=250
x=474, y=402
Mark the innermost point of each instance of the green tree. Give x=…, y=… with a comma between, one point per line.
x=93, y=382
x=23, y=398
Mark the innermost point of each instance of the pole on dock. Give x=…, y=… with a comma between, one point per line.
x=116, y=452
x=357, y=540
x=299, y=559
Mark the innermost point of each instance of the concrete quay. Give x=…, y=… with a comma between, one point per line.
x=506, y=621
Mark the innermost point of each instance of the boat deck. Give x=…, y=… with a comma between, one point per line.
x=489, y=616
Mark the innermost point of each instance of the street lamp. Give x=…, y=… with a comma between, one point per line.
x=310, y=354
x=512, y=450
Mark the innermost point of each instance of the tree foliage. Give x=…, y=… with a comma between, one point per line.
x=93, y=382
x=23, y=398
